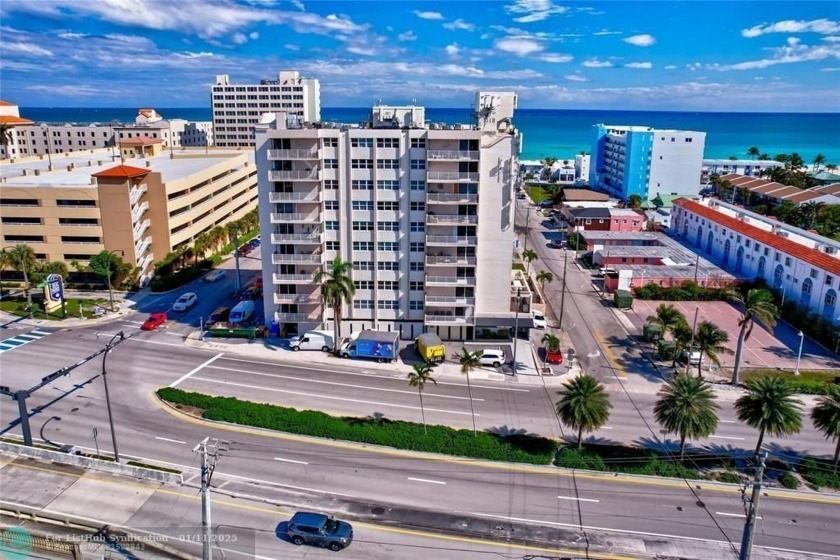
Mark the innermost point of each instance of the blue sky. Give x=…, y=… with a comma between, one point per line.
x=705, y=56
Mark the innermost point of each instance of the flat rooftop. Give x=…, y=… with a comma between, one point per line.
x=596, y=236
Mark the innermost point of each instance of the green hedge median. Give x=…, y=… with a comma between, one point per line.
x=398, y=434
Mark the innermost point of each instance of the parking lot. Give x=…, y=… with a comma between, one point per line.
x=777, y=349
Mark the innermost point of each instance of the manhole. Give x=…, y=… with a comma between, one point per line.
x=679, y=508
x=700, y=504
x=377, y=510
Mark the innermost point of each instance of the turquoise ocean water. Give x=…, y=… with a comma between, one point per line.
x=563, y=133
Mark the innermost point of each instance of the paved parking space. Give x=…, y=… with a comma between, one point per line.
x=777, y=349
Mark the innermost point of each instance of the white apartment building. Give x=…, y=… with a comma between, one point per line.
x=582, y=167
x=424, y=213
x=803, y=266
x=747, y=167
x=237, y=108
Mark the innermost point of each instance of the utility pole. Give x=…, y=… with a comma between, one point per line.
x=238, y=284
x=563, y=289
x=752, y=508
x=209, y=455
x=691, y=344
x=516, y=329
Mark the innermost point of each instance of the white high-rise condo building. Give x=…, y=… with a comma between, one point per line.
x=237, y=108
x=423, y=211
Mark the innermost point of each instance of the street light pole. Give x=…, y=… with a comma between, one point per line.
x=563, y=289
x=108, y=346
x=516, y=328
x=799, y=356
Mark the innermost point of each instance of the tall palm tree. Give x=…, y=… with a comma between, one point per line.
x=819, y=159
x=22, y=258
x=5, y=261
x=711, y=340
x=551, y=341
x=544, y=276
x=5, y=135
x=831, y=167
x=469, y=361
x=753, y=152
x=584, y=405
x=529, y=255
x=826, y=418
x=418, y=377
x=686, y=406
x=337, y=288
x=683, y=337
x=758, y=308
x=764, y=157
x=795, y=161
x=667, y=317
x=810, y=210
x=770, y=408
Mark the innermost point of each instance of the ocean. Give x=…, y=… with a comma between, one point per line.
x=564, y=133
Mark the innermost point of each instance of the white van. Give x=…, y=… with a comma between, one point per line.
x=241, y=312
x=312, y=340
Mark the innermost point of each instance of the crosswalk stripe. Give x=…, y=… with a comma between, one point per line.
x=21, y=339
x=27, y=337
x=42, y=333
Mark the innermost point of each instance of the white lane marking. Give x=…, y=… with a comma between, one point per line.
x=321, y=381
x=728, y=437
x=426, y=480
x=741, y=515
x=606, y=427
x=290, y=461
x=196, y=370
x=166, y=344
x=171, y=440
x=302, y=394
x=175, y=334
x=140, y=323
x=578, y=499
x=36, y=331
x=727, y=421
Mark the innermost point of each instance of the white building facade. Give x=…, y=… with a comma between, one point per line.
x=237, y=108
x=424, y=213
x=747, y=167
x=802, y=266
x=582, y=167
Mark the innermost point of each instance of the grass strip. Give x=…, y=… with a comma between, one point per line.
x=809, y=382
x=398, y=434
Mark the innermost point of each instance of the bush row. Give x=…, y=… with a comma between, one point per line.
x=397, y=434
x=632, y=460
x=820, y=473
x=166, y=282
x=689, y=291
x=808, y=382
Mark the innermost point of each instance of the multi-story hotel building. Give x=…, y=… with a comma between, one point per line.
x=628, y=160
x=144, y=208
x=237, y=108
x=424, y=213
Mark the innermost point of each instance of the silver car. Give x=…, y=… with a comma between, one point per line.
x=319, y=530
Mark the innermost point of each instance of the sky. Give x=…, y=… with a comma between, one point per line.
x=699, y=56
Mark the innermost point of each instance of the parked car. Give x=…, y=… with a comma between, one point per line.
x=555, y=244
x=258, y=283
x=312, y=340
x=521, y=196
x=244, y=250
x=319, y=530
x=539, y=319
x=215, y=275
x=219, y=315
x=603, y=271
x=253, y=293
x=553, y=357
x=184, y=302
x=548, y=203
x=254, y=243
x=693, y=358
x=154, y=321
x=493, y=358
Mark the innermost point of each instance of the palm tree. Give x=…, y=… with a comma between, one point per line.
x=831, y=167
x=819, y=159
x=5, y=261
x=683, y=337
x=201, y=244
x=5, y=135
x=810, y=210
x=667, y=317
x=22, y=258
x=796, y=161
x=551, y=341
x=770, y=408
x=584, y=405
x=711, y=341
x=686, y=406
x=528, y=256
x=469, y=361
x=753, y=152
x=826, y=418
x=764, y=157
x=544, y=276
x=337, y=288
x=758, y=308
x=634, y=201
x=418, y=377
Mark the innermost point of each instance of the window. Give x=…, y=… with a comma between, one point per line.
x=417, y=247
x=330, y=164
x=387, y=142
x=806, y=287
x=361, y=185
x=418, y=226
x=388, y=304
x=415, y=305
x=418, y=185
x=361, y=142
x=388, y=285
x=688, y=139
x=788, y=261
x=331, y=142
x=330, y=184
x=363, y=245
x=387, y=164
x=415, y=286
x=418, y=206
x=814, y=273
x=388, y=265
x=362, y=226
x=74, y=239
x=362, y=265
x=331, y=205
x=362, y=304
x=418, y=142
x=388, y=185
x=388, y=226
x=418, y=164
x=333, y=246
x=747, y=243
x=829, y=279
x=391, y=205
x=86, y=203
x=362, y=205
x=331, y=225
x=364, y=284
x=767, y=251
x=415, y=267
x=830, y=299
x=362, y=164
x=388, y=246
x=25, y=238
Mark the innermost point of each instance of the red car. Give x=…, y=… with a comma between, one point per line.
x=553, y=357
x=154, y=321
x=258, y=282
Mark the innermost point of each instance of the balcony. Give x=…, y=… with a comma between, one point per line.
x=140, y=228
x=303, y=175
x=450, y=240
x=145, y=261
x=451, y=155
x=297, y=318
x=450, y=281
x=278, y=258
x=136, y=192
x=450, y=219
x=451, y=176
x=292, y=278
x=447, y=260
x=138, y=212
x=442, y=319
x=141, y=247
x=313, y=298
x=451, y=198
x=294, y=154
x=277, y=197
x=313, y=237
x=448, y=301
x=287, y=218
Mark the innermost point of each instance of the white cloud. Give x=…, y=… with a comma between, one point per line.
x=595, y=63
x=291, y=47
x=70, y=35
x=670, y=67
x=834, y=69
x=534, y=10
x=26, y=49
x=361, y=50
x=556, y=58
x=407, y=36
x=188, y=54
x=459, y=25
x=791, y=53
x=644, y=40
x=832, y=39
x=254, y=35
x=458, y=70
x=639, y=65
x=486, y=35
x=239, y=38
x=429, y=15
x=607, y=32
x=822, y=26
x=575, y=78
x=69, y=90
x=694, y=66
x=452, y=49
x=521, y=47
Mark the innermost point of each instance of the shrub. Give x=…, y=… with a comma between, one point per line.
x=623, y=299
x=808, y=382
x=730, y=477
x=820, y=473
x=572, y=458
x=166, y=282
x=666, y=349
x=788, y=481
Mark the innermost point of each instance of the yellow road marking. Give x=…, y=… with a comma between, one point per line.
x=609, y=354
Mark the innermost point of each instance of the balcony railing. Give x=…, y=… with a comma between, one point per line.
x=146, y=261
x=136, y=192
x=450, y=281
x=448, y=176
x=141, y=247
x=285, y=218
x=311, y=175
x=294, y=154
x=312, y=196
x=297, y=318
x=436, y=318
x=293, y=278
x=451, y=198
x=140, y=228
x=138, y=212
x=278, y=258
x=451, y=155
x=450, y=219
x=447, y=260
x=280, y=299
x=450, y=240
x=314, y=237
x=449, y=300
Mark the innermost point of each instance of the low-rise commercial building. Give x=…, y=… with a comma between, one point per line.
x=769, y=192
x=603, y=219
x=746, y=167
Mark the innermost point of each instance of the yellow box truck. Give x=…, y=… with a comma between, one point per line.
x=430, y=347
